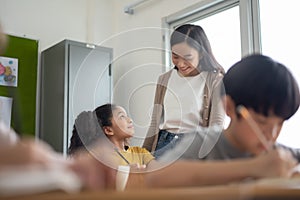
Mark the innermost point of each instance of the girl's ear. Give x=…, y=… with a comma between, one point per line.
x=108, y=130
x=230, y=107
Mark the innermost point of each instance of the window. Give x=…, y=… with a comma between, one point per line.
x=280, y=40
x=223, y=32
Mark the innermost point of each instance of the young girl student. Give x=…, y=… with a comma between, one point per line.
x=118, y=128
x=185, y=96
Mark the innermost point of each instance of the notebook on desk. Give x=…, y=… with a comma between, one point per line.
x=292, y=183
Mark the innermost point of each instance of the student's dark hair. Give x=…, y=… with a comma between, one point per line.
x=196, y=38
x=75, y=143
x=263, y=84
x=104, y=116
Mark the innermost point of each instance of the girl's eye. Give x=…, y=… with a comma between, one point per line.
x=122, y=116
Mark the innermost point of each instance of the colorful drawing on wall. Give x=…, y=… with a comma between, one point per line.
x=5, y=110
x=8, y=71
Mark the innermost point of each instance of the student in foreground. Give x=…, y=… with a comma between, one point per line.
x=260, y=94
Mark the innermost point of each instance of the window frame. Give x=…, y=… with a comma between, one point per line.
x=249, y=23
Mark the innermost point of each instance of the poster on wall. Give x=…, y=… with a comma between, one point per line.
x=8, y=71
x=5, y=110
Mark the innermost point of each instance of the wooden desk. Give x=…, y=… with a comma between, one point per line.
x=228, y=192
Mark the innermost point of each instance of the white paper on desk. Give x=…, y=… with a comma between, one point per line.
x=36, y=179
x=279, y=183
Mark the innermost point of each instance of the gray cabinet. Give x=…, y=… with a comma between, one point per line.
x=74, y=77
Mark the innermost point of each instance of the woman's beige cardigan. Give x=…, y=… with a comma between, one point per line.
x=212, y=112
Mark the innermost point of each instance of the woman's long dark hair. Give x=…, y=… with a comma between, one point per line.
x=195, y=37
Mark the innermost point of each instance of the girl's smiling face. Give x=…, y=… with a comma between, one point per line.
x=122, y=125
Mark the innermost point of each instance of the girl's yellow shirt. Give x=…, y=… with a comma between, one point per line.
x=135, y=155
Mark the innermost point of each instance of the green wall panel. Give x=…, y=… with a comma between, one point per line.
x=24, y=95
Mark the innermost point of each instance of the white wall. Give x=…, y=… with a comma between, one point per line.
x=139, y=56
x=51, y=21
x=136, y=39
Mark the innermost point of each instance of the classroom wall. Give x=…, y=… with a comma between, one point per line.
x=51, y=21
x=140, y=57
x=136, y=39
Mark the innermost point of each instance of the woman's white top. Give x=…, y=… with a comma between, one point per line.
x=183, y=103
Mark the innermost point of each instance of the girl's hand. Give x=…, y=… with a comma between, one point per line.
x=137, y=167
